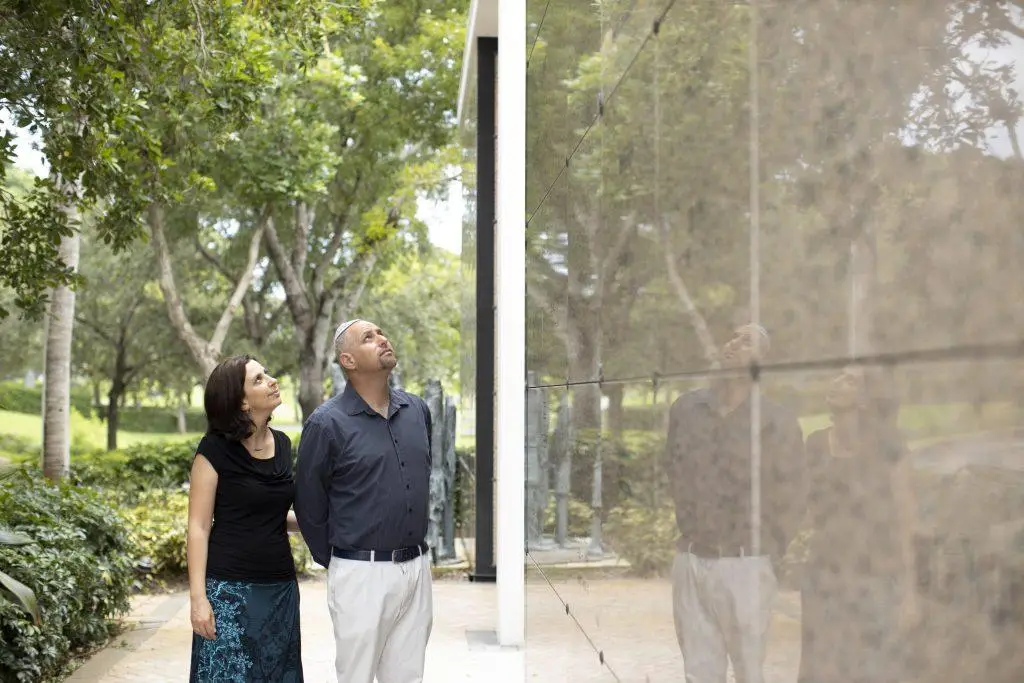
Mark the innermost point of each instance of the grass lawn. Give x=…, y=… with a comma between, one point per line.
x=83, y=431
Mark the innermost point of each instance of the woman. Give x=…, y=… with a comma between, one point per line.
x=244, y=594
x=858, y=583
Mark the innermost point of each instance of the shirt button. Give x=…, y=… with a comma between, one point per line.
x=402, y=464
x=406, y=487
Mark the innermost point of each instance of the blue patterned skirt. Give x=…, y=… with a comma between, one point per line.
x=257, y=634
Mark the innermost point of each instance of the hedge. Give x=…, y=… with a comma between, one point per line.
x=124, y=473
x=17, y=398
x=79, y=567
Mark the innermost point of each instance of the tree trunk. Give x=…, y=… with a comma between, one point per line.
x=700, y=325
x=312, y=304
x=113, y=414
x=311, y=381
x=182, y=423
x=117, y=388
x=205, y=352
x=57, y=387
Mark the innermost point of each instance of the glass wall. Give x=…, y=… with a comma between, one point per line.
x=774, y=345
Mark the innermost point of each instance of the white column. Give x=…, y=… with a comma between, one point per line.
x=510, y=324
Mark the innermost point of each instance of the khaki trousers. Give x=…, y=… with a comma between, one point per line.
x=722, y=607
x=382, y=614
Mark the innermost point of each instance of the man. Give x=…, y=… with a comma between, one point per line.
x=362, y=486
x=722, y=585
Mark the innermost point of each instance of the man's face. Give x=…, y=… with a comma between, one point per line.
x=744, y=347
x=366, y=349
x=846, y=391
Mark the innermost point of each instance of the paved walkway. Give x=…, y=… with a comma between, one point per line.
x=629, y=620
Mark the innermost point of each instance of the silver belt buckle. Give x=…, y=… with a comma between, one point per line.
x=394, y=556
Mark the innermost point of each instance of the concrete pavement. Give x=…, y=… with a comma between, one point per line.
x=628, y=622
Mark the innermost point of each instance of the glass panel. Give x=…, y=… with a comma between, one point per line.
x=547, y=334
x=870, y=523
x=556, y=116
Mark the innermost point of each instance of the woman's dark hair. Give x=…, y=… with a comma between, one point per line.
x=225, y=391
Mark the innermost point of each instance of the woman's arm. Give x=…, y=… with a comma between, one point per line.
x=202, y=492
x=293, y=523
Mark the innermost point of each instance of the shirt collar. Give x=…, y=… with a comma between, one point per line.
x=709, y=397
x=354, y=404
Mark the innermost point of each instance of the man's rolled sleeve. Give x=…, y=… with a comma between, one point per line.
x=312, y=481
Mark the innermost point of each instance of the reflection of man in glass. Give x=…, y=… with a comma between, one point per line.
x=723, y=587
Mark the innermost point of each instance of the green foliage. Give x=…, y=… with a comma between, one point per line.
x=158, y=523
x=135, y=469
x=11, y=587
x=415, y=301
x=79, y=567
x=125, y=473
x=128, y=100
x=17, y=398
x=159, y=420
x=579, y=518
x=643, y=536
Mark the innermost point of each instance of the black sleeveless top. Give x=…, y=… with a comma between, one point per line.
x=853, y=509
x=249, y=537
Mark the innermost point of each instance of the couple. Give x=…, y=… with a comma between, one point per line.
x=360, y=496
x=850, y=482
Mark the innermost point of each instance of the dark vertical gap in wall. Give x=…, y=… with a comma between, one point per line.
x=486, y=139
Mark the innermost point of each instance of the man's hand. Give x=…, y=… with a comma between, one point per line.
x=203, y=621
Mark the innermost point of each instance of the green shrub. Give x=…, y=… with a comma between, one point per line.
x=580, y=515
x=159, y=525
x=11, y=443
x=644, y=536
x=79, y=568
x=130, y=471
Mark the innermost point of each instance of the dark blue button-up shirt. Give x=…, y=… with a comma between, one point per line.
x=362, y=482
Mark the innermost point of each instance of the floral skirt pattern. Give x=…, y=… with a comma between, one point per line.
x=257, y=639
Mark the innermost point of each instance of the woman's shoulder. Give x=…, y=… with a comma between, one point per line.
x=215, y=448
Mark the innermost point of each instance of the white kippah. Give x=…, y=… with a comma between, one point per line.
x=342, y=327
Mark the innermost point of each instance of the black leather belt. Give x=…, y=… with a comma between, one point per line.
x=396, y=556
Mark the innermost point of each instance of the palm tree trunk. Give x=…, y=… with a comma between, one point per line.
x=57, y=386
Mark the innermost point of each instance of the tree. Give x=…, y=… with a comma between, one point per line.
x=20, y=339
x=414, y=300
x=385, y=88
x=123, y=334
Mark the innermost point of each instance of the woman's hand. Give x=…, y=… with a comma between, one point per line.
x=203, y=622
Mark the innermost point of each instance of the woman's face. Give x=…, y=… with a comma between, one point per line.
x=846, y=390
x=262, y=394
